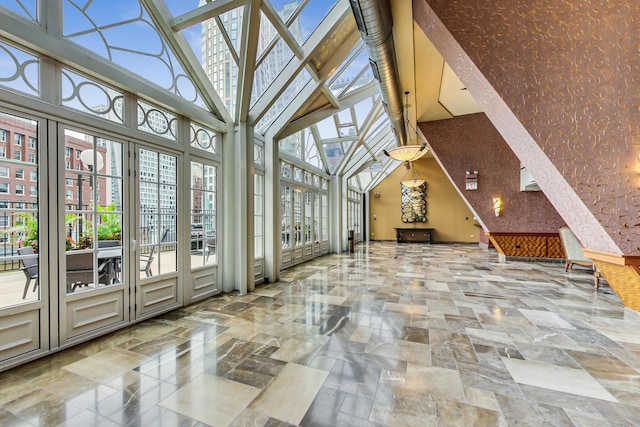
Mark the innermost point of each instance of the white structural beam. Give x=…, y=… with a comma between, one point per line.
x=251, y=33
x=36, y=38
x=366, y=127
x=312, y=88
x=282, y=29
x=338, y=12
x=379, y=142
x=320, y=148
x=386, y=170
x=350, y=100
x=181, y=49
x=204, y=12
x=227, y=39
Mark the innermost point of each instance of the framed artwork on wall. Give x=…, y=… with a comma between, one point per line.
x=414, y=203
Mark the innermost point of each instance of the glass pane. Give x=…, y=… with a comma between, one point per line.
x=334, y=155
x=297, y=216
x=19, y=214
x=258, y=154
x=325, y=218
x=258, y=186
x=311, y=155
x=286, y=216
x=203, y=215
x=316, y=217
x=203, y=139
x=327, y=128
x=217, y=58
x=283, y=101
x=91, y=97
x=24, y=8
x=292, y=145
x=93, y=211
x=268, y=69
x=130, y=39
x=19, y=70
x=350, y=69
x=156, y=121
x=312, y=14
x=158, y=213
x=308, y=216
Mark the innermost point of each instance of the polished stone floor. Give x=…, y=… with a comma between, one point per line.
x=405, y=335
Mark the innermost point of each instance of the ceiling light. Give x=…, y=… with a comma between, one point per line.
x=407, y=153
x=415, y=180
x=413, y=183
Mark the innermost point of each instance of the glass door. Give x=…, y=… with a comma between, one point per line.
x=23, y=260
x=156, y=285
x=308, y=224
x=92, y=281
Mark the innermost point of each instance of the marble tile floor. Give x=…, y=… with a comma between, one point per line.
x=392, y=335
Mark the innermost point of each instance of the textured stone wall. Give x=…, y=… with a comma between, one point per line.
x=471, y=142
x=569, y=73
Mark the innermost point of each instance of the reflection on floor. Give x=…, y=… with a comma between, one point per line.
x=391, y=335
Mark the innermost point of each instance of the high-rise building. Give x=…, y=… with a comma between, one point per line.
x=221, y=68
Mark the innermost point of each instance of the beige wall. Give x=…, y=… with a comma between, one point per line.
x=446, y=211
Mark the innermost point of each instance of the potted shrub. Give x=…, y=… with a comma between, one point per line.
x=109, y=227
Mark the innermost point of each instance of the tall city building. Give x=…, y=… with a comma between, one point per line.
x=221, y=68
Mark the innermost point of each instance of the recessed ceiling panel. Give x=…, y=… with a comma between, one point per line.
x=454, y=96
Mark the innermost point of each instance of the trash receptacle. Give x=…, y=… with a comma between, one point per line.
x=351, y=242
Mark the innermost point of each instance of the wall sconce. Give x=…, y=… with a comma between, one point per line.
x=497, y=205
x=471, y=180
x=376, y=195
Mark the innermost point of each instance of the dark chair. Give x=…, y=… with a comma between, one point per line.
x=210, y=243
x=80, y=270
x=30, y=268
x=146, y=260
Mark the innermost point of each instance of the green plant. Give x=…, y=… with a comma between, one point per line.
x=25, y=230
x=109, y=227
x=84, y=242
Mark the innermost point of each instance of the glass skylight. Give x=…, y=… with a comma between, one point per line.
x=130, y=39
x=24, y=8
x=19, y=70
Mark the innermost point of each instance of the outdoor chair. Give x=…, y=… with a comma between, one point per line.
x=30, y=268
x=80, y=271
x=210, y=243
x=146, y=260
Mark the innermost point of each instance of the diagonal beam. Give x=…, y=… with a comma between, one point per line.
x=282, y=29
x=375, y=112
x=386, y=170
x=369, y=154
x=320, y=148
x=204, y=12
x=161, y=15
x=312, y=88
x=227, y=40
x=317, y=116
x=339, y=12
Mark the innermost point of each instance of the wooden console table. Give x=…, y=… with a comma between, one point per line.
x=417, y=235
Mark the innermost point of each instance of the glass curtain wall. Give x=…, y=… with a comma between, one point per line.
x=258, y=205
x=354, y=216
x=304, y=214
